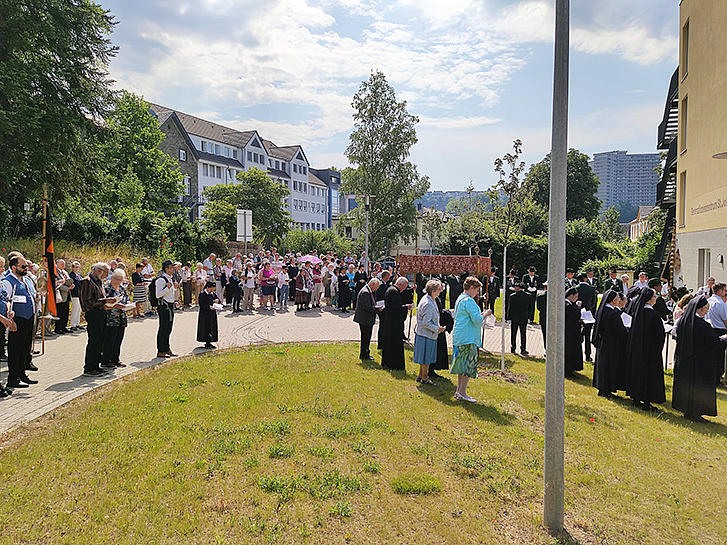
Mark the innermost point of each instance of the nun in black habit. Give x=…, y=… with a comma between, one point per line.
x=392, y=322
x=699, y=355
x=646, y=365
x=447, y=320
x=455, y=288
x=610, y=336
x=632, y=296
x=573, y=349
x=207, y=317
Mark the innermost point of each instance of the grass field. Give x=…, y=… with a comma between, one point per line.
x=303, y=444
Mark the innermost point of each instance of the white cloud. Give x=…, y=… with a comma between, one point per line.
x=457, y=122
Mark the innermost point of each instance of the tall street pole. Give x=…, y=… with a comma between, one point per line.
x=367, y=203
x=504, y=310
x=553, y=502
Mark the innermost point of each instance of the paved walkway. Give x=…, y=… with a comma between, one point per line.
x=60, y=378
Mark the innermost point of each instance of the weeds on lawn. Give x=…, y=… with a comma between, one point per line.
x=280, y=450
x=416, y=484
x=321, y=452
x=341, y=509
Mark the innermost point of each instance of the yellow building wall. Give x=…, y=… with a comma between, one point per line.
x=704, y=85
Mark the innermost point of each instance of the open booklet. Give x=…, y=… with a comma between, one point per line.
x=626, y=319
x=587, y=317
x=380, y=304
x=217, y=306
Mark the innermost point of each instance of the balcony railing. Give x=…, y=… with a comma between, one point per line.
x=666, y=189
x=669, y=125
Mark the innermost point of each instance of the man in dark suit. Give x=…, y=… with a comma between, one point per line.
x=531, y=284
x=493, y=289
x=613, y=282
x=589, y=301
x=510, y=282
x=542, y=304
x=365, y=316
x=570, y=282
x=519, y=312
x=591, y=279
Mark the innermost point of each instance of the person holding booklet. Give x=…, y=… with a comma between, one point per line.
x=365, y=316
x=609, y=337
x=209, y=303
x=115, y=318
x=646, y=366
x=573, y=351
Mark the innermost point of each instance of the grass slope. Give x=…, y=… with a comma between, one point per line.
x=302, y=444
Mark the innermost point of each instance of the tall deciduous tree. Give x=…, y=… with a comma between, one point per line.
x=378, y=149
x=582, y=186
x=254, y=191
x=54, y=86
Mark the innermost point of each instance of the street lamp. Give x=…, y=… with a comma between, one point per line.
x=367, y=207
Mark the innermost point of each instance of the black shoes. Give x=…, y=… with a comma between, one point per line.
x=27, y=380
x=210, y=346
x=4, y=392
x=94, y=373
x=524, y=353
x=366, y=358
x=31, y=367
x=15, y=384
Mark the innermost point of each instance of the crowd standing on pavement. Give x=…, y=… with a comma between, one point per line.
x=625, y=327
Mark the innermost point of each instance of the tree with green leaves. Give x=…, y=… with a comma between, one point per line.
x=256, y=191
x=582, y=186
x=378, y=149
x=54, y=88
x=432, y=228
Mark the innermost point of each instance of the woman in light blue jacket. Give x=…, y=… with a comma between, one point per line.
x=427, y=330
x=466, y=337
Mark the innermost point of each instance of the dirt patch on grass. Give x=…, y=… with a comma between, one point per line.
x=513, y=524
x=507, y=376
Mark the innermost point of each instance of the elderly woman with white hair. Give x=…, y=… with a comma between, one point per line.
x=427, y=330
x=116, y=320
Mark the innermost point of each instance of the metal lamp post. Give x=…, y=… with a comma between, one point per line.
x=367, y=207
x=554, y=494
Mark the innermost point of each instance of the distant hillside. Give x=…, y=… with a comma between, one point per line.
x=439, y=199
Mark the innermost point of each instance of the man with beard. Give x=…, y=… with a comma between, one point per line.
x=22, y=304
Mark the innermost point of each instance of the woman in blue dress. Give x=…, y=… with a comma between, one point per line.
x=466, y=337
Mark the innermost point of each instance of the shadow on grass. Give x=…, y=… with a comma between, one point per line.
x=443, y=391
x=709, y=428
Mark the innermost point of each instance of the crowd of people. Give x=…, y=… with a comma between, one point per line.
x=626, y=330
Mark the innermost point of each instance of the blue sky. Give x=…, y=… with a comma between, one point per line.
x=478, y=73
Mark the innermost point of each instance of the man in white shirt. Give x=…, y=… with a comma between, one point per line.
x=643, y=281
x=707, y=290
x=209, y=264
x=717, y=314
x=147, y=271
x=166, y=295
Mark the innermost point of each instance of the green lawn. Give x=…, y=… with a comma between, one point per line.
x=303, y=444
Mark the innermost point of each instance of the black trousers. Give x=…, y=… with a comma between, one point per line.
x=491, y=304
x=3, y=340
x=531, y=310
x=96, y=329
x=586, y=338
x=63, y=310
x=523, y=329
x=20, y=348
x=166, y=320
x=366, y=331
x=113, y=337
x=236, y=300
x=543, y=330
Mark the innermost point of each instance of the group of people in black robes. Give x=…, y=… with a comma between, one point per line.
x=630, y=359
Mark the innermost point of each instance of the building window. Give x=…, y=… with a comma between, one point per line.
x=187, y=185
x=262, y=159
x=305, y=188
x=270, y=162
x=305, y=170
x=704, y=269
x=682, y=199
x=254, y=157
x=217, y=149
x=684, y=62
x=295, y=167
x=182, y=155
x=204, y=145
x=249, y=156
x=219, y=172
x=234, y=154
x=205, y=169
x=277, y=165
x=282, y=166
x=683, y=115
x=334, y=202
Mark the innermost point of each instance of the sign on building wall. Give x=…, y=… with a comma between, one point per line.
x=244, y=226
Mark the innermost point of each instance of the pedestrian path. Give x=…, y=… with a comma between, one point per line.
x=60, y=368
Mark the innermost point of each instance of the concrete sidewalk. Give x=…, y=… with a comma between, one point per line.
x=60, y=369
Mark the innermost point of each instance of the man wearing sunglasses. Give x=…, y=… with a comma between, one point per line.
x=22, y=304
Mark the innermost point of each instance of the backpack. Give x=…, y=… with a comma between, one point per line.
x=153, y=300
